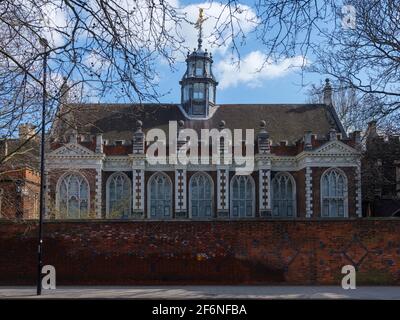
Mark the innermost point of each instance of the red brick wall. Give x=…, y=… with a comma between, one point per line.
x=200, y=252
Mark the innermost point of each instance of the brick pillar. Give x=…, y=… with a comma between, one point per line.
x=264, y=190
x=138, y=190
x=222, y=192
x=309, y=197
x=180, y=193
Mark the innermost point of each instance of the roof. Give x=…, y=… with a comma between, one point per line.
x=118, y=121
x=22, y=153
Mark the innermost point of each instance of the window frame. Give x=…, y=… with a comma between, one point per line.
x=345, y=193
x=253, y=197
x=168, y=179
x=58, y=193
x=277, y=176
x=109, y=180
x=208, y=177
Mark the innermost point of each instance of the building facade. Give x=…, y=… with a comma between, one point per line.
x=19, y=175
x=381, y=174
x=305, y=166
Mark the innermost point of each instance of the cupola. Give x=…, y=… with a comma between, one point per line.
x=198, y=84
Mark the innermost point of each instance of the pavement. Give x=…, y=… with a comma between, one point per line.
x=205, y=292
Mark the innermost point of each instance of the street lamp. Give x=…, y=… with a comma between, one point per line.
x=45, y=45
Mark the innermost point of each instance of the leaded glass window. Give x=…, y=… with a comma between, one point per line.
x=283, y=196
x=242, y=196
x=160, y=196
x=201, y=196
x=119, y=196
x=333, y=194
x=73, y=192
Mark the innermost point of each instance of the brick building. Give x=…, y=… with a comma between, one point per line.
x=381, y=174
x=19, y=175
x=304, y=163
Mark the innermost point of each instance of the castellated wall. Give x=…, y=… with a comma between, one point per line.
x=204, y=252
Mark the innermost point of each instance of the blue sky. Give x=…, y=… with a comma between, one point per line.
x=280, y=82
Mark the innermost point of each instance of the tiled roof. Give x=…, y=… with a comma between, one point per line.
x=118, y=121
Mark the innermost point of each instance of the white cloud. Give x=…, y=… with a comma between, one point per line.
x=217, y=15
x=54, y=20
x=254, y=68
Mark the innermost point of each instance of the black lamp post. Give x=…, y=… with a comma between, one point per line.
x=44, y=43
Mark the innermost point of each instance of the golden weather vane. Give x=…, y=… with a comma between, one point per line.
x=199, y=25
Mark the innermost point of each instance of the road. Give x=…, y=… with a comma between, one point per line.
x=204, y=292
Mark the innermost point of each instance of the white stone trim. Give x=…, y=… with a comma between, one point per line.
x=138, y=195
x=358, y=191
x=308, y=191
x=223, y=189
x=264, y=192
x=180, y=176
x=142, y=190
x=98, y=196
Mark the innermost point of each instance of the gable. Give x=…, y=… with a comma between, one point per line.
x=72, y=149
x=335, y=147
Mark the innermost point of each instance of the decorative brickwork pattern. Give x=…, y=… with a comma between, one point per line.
x=265, y=192
x=304, y=251
x=180, y=193
x=223, y=192
x=309, y=197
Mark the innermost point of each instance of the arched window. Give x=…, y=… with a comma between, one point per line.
x=73, y=196
x=160, y=196
x=283, y=195
x=334, y=193
x=242, y=196
x=118, y=195
x=200, y=192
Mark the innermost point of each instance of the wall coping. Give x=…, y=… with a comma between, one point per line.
x=257, y=220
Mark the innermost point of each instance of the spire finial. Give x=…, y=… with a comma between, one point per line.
x=199, y=25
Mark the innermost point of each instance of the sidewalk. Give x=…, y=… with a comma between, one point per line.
x=204, y=292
